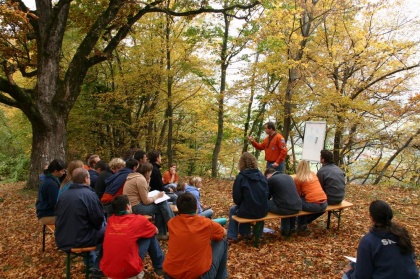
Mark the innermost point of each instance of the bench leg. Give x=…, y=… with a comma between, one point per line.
x=259, y=226
x=68, y=266
x=86, y=259
x=337, y=213
x=44, y=231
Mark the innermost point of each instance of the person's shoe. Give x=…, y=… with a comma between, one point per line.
x=286, y=233
x=231, y=241
x=303, y=230
x=159, y=271
x=162, y=237
x=96, y=274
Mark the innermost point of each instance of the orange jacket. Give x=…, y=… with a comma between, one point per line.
x=311, y=190
x=167, y=177
x=275, y=149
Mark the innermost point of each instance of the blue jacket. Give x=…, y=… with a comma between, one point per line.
x=47, y=196
x=193, y=190
x=93, y=177
x=79, y=218
x=379, y=257
x=250, y=194
x=115, y=181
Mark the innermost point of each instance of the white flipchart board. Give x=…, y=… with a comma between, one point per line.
x=313, y=141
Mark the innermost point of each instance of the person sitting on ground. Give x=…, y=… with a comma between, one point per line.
x=170, y=178
x=312, y=196
x=137, y=190
x=115, y=183
x=284, y=200
x=196, y=183
x=180, y=188
x=332, y=178
x=67, y=180
x=250, y=195
x=387, y=251
x=128, y=237
x=80, y=218
x=92, y=172
x=196, y=247
x=48, y=192
x=107, y=171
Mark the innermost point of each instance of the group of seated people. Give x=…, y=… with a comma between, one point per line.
x=109, y=212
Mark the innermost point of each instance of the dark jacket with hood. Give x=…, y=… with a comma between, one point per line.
x=378, y=256
x=250, y=193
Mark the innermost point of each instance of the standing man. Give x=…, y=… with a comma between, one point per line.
x=79, y=217
x=332, y=178
x=196, y=248
x=274, y=146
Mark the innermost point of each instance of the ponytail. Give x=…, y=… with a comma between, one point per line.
x=404, y=239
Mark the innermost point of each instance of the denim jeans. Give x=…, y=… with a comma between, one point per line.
x=163, y=213
x=286, y=223
x=234, y=227
x=279, y=168
x=151, y=245
x=207, y=213
x=311, y=207
x=218, y=262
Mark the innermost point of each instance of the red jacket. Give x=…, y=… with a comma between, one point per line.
x=121, y=254
x=275, y=149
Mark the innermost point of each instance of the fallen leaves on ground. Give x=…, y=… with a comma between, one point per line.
x=319, y=255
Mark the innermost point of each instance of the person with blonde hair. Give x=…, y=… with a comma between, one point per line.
x=67, y=180
x=113, y=167
x=250, y=195
x=311, y=193
x=196, y=183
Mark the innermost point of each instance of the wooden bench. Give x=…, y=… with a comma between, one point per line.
x=259, y=223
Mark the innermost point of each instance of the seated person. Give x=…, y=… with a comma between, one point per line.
x=284, y=200
x=170, y=178
x=67, y=180
x=80, y=217
x=48, y=192
x=387, y=251
x=332, y=178
x=196, y=248
x=115, y=183
x=128, y=237
x=107, y=171
x=137, y=190
x=156, y=180
x=312, y=196
x=92, y=171
x=180, y=188
x=194, y=188
x=250, y=195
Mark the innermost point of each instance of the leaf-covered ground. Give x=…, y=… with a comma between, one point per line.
x=319, y=255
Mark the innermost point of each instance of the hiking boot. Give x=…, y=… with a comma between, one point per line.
x=96, y=274
x=159, y=271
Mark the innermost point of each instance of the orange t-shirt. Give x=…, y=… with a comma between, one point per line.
x=312, y=190
x=189, y=247
x=167, y=177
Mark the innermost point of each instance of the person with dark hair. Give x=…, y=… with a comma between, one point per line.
x=284, y=200
x=115, y=183
x=137, y=190
x=196, y=247
x=170, y=178
x=79, y=217
x=274, y=146
x=386, y=251
x=269, y=172
x=48, y=192
x=250, y=195
x=141, y=156
x=128, y=237
x=106, y=171
x=332, y=178
x=156, y=180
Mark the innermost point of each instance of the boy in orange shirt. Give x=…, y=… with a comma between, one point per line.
x=196, y=247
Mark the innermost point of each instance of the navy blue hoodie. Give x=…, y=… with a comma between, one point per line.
x=378, y=256
x=250, y=193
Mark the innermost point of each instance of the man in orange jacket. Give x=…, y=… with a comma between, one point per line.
x=274, y=146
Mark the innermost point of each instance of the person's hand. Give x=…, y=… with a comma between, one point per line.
x=251, y=138
x=348, y=268
x=170, y=190
x=159, y=195
x=157, y=230
x=275, y=165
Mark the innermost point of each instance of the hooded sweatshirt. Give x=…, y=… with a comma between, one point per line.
x=378, y=256
x=250, y=194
